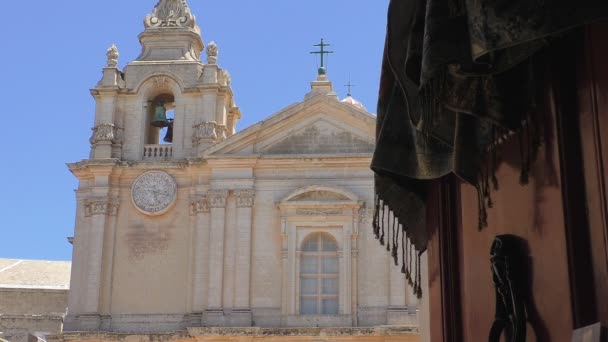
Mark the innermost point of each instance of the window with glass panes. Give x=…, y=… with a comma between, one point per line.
x=319, y=276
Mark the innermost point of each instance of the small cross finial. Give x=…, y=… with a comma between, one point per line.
x=322, y=52
x=349, y=86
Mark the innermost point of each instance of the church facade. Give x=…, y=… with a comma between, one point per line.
x=215, y=235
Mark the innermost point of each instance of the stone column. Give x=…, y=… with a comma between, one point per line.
x=242, y=303
x=217, y=204
x=200, y=211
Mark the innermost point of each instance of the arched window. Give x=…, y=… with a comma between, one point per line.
x=319, y=270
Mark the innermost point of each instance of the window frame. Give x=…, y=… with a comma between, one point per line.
x=320, y=254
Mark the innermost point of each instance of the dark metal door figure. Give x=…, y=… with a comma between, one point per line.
x=509, y=256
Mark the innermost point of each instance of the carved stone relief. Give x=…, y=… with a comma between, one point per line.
x=106, y=133
x=199, y=206
x=244, y=198
x=204, y=132
x=170, y=13
x=364, y=214
x=318, y=212
x=212, y=52
x=112, y=55
x=217, y=198
x=161, y=82
x=221, y=131
x=101, y=206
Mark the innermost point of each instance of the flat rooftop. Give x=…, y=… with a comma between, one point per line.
x=35, y=274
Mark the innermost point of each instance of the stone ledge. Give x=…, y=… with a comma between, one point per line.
x=325, y=332
x=235, y=332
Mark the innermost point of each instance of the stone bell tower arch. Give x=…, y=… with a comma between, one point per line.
x=117, y=230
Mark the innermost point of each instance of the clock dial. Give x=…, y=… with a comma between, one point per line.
x=154, y=192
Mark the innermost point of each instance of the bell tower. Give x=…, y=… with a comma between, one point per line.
x=153, y=121
x=168, y=78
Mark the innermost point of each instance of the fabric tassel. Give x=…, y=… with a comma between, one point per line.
x=403, y=250
x=395, y=237
x=382, y=226
x=376, y=224
x=419, y=276
x=389, y=242
x=409, y=270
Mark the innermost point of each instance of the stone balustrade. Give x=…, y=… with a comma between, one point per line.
x=158, y=152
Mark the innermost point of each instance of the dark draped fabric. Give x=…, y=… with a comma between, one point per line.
x=458, y=78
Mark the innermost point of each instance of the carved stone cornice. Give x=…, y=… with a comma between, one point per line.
x=107, y=133
x=204, y=132
x=101, y=206
x=217, y=198
x=199, y=206
x=244, y=198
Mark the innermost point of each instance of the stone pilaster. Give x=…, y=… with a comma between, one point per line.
x=242, y=302
x=217, y=204
x=199, y=208
x=99, y=212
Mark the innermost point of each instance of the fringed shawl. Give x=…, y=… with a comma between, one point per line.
x=458, y=78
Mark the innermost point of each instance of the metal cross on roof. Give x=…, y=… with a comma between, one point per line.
x=322, y=52
x=349, y=86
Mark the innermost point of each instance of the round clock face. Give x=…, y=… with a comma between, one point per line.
x=154, y=192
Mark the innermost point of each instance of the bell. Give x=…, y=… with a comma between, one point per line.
x=169, y=136
x=160, y=116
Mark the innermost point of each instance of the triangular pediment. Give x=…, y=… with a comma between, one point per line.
x=317, y=126
x=320, y=137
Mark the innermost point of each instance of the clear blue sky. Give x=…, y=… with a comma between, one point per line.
x=53, y=52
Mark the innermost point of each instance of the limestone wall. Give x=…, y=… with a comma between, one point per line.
x=25, y=312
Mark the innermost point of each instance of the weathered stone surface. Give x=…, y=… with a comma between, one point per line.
x=321, y=138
